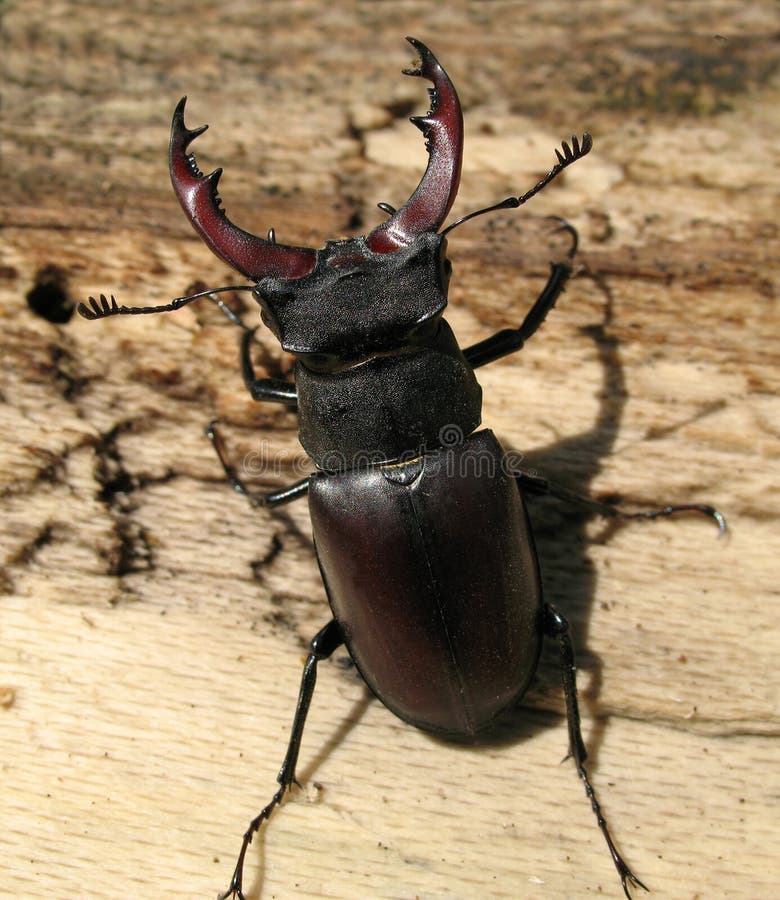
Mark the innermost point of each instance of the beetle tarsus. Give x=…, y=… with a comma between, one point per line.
x=323, y=645
x=625, y=874
x=258, y=501
x=564, y=225
x=556, y=626
x=235, y=888
x=703, y=508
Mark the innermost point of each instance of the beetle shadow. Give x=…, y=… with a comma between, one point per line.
x=560, y=530
x=562, y=541
x=569, y=577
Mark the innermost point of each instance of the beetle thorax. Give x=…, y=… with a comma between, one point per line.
x=379, y=373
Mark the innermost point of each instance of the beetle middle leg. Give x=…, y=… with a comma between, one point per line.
x=324, y=644
x=555, y=625
x=273, y=498
x=272, y=389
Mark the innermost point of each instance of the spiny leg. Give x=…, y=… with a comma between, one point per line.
x=509, y=340
x=324, y=644
x=537, y=484
x=555, y=625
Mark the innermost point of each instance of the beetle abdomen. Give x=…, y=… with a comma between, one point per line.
x=431, y=572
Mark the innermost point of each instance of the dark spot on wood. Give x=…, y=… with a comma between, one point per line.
x=49, y=298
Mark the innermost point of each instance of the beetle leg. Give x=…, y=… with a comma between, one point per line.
x=509, y=340
x=325, y=642
x=275, y=389
x=555, y=625
x=539, y=485
x=274, y=498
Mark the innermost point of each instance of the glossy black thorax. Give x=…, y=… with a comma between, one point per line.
x=390, y=407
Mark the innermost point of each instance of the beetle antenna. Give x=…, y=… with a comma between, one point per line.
x=103, y=308
x=577, y=150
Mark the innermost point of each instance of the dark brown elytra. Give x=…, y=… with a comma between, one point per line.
x=427, y=557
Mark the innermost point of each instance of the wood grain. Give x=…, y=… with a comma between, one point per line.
x=152, y=628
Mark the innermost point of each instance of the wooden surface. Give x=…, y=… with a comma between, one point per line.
x=152, y=628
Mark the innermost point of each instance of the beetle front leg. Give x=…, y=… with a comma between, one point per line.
x=322, y=646
x=275, y=390
x=555, y=625
x=509, y=340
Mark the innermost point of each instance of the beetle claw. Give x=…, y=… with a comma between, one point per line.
x=626, y=875
x=253, y=256
x=564, y=225
x=442, y=128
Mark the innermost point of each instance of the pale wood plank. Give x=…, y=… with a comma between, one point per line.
x=151, y=647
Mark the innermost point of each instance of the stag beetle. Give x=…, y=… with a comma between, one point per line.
x=421, y=533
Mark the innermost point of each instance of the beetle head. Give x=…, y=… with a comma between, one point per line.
x=357, y=296
x=356, y=302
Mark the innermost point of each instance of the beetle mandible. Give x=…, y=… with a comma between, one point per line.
x=443, y=615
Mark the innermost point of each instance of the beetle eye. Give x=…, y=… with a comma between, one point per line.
x=319, y=362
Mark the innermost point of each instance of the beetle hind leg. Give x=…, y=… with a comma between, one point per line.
x=322, y=646
x=555, y=625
